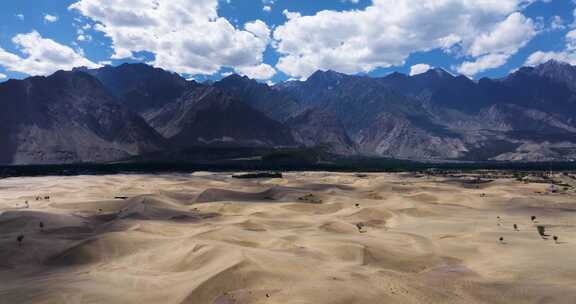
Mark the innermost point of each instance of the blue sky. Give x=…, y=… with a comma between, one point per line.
x=275, y=40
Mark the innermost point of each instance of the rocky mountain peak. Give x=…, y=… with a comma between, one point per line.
x=236, y=80
x=436, y=73
x=112, y=113
x=325, y=77
x=559, y=71
x=141, y=87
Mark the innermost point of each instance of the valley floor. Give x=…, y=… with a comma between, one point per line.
x=307, y=238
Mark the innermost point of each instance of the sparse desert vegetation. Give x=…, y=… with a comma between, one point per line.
x=309, y=237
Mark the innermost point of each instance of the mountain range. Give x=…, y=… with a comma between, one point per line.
x=135, y=110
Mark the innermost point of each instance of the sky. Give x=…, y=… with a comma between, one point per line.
x=278, y=40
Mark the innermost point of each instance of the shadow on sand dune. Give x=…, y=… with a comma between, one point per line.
x=273, y=194
x=48, y=238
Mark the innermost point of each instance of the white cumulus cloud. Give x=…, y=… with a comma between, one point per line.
x=3, y=76
x=483, y=63
x=539, y=57
x=419, y=69
x=385, y=33
x=41, y=56
x=259, y=29
x=494, y=48
x=568, y=54
x=268, y=5
x=185, y=36
x=506, y=37
x=557, y=23
x=50, y=18
x=261, y=72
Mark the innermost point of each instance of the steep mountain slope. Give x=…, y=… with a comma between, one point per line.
x=260, y=96
x=375, y=115
x=113, y=113
x=316, y=127
x=402, y=137
x=439, y=88
x=209, y=116
x=192, y=114
x=68, y=117
x=558, y=72
x=356, y=101
x=529, y=115
x=140, y=87
x=529, y=87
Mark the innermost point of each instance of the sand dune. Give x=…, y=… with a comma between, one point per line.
x=307, y=238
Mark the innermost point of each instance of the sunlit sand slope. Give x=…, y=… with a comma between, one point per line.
x=306, y=238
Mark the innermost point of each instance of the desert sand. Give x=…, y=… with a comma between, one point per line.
x=306, y=238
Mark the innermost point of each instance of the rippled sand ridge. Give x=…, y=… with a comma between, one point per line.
x=306, y=238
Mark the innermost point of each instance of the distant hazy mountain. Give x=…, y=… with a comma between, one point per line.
x=113, y=113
